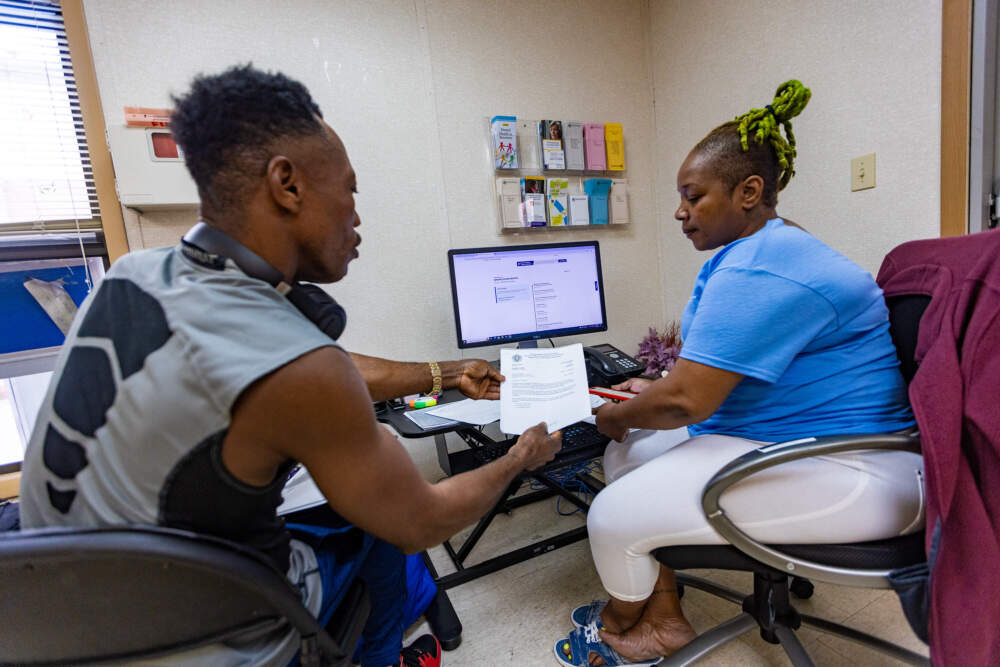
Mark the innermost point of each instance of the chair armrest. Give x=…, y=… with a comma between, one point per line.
x=770, y=456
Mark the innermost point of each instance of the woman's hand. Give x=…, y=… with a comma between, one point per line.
x=634, y=385
x=607, y=422
x=477, y=379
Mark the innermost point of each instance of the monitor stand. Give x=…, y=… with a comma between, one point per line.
x=527, y=344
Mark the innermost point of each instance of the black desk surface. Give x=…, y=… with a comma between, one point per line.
x=453, y=463
x=462, y=460
x=394, y=415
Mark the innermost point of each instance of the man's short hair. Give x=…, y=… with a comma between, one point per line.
x=227, y=125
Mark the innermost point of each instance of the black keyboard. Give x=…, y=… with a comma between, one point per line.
x=575, y=437
x=580, y=435
x=493, y=451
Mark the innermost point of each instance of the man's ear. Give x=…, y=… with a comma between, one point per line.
x=750, y=192
x=284, y=183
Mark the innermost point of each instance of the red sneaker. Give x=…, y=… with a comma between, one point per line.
x=425, y=651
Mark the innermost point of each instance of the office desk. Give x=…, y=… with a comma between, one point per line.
x=457, y=462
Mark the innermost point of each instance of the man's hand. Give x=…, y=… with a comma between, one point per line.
x=536, y=446
x=477, y=379
x=391, y=379
x=634, y=385
x=608, y=424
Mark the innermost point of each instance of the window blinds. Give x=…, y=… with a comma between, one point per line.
x=46, y=181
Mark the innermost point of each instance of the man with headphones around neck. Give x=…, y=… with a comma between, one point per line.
x=195, y=377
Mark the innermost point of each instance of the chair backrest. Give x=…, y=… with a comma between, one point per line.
x=72, y=596
x=954, y=401
x=905, y=312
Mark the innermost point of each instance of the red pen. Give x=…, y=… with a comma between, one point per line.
x=604, y=392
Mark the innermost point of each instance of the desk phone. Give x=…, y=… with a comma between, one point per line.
x=607, y=365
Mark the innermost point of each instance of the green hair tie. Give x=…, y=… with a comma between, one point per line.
x=765, y=125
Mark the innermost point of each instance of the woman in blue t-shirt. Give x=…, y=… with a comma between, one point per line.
x=783, y=338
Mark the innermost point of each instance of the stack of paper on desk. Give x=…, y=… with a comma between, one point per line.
x=544, y=384
x=426, y=420
x=470, y=411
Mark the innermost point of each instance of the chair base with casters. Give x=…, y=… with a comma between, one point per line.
x=865, y=564
x=769, y=608
x=82, y=596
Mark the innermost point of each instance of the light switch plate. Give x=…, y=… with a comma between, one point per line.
x=863, y=172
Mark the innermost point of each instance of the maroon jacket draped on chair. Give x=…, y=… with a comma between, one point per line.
x=955, y=396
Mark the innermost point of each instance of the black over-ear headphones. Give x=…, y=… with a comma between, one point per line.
x=210, y=247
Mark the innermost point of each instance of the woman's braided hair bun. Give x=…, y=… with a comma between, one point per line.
x=765, y=125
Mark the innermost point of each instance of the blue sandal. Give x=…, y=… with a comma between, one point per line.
x=585, y=614
x=575, y=650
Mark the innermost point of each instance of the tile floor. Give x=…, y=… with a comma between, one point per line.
x=515, y=616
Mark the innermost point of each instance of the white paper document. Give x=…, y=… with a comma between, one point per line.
x=470, y=411
x=544, y=384
x=300, y=493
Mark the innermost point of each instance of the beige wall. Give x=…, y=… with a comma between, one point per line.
x=875, y=73
x=410, y=86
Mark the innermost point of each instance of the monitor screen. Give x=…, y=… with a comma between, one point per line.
x=510, y=294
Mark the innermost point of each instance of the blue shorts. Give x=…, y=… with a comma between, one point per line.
x=381, y=566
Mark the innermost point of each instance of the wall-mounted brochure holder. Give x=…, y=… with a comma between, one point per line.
x=558, y=174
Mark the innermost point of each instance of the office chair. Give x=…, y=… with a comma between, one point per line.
x=79, y=596
x=865, y=564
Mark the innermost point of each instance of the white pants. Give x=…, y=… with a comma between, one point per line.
x=653, y=499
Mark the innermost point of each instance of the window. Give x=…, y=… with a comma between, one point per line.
x=29, y=343
x=20, y=400
x=46, y=179
x=50, y=221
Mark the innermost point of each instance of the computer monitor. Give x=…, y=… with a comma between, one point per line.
x=518, y=294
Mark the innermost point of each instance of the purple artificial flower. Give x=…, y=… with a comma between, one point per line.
x=660, y=351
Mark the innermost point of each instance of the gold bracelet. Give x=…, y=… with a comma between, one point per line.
x=436, y=375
